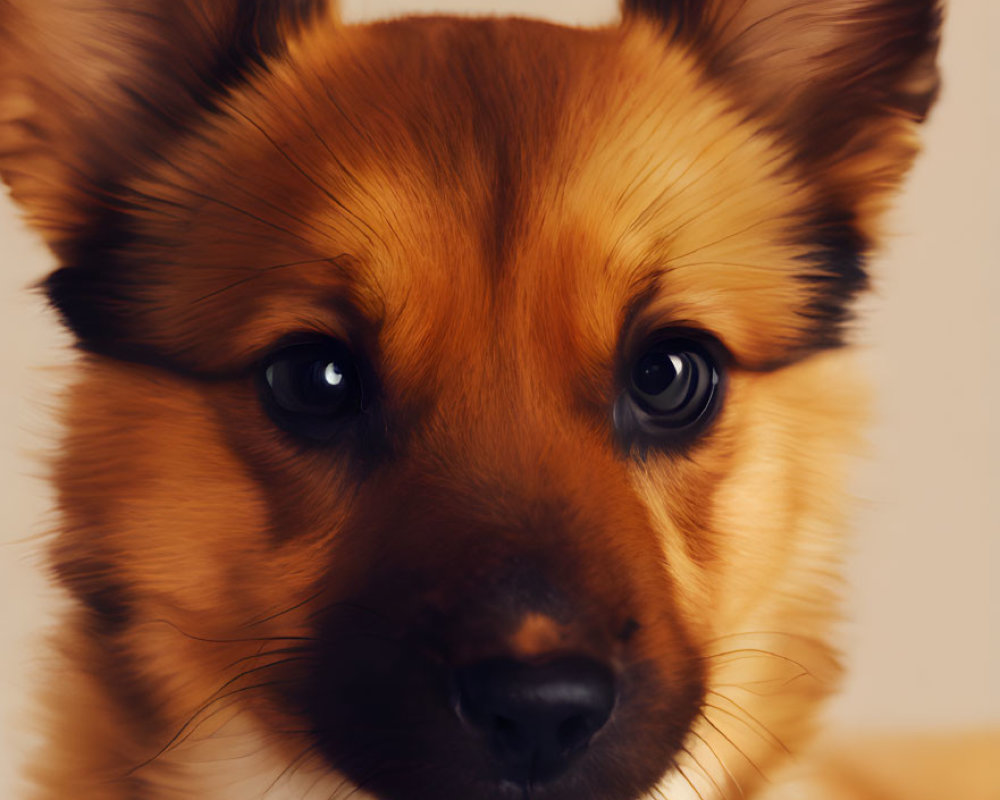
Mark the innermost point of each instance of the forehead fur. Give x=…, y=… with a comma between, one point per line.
x=520, y=169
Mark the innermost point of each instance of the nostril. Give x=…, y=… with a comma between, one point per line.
x=536, y=717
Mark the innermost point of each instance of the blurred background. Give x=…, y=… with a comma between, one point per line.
x=922, y=598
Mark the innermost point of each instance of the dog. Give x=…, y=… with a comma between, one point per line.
x=462, y=408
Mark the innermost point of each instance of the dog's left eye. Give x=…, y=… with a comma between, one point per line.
x=674, y=382
x=672, y=392
x=309, y=389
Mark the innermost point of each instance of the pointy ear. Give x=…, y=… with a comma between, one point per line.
x=845, y=81
x=91, y=89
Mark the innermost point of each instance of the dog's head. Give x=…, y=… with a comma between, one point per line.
x=461, y=408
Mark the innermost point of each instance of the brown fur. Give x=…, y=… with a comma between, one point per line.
x=496, y=213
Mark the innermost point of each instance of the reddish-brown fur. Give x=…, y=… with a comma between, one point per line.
x=495, y=214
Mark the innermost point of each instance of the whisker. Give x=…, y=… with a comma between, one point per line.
x=736, y=747
x=690, y=783
x=217, y=696
x=719, y=759
x=744, y=686
x=234, y=641
x=658, y=792
x=762, y=730
x=704, y=771
x=293, y=766
x=288, y=610
x=187, y=726
x=278, y=651
x=753, y=652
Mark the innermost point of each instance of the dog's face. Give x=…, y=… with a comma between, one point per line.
x=462, y=413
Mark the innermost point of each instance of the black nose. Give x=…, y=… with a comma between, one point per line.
x=536, y=718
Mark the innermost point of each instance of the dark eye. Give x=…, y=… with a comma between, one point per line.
x=673, y=391
x=312, y=389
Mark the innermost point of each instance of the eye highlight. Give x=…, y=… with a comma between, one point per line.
x=312, y=389
x=672, y=391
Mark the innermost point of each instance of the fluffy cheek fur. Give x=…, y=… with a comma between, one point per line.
x=168, y=546
x=763, y=597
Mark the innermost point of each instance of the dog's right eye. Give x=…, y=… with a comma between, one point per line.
x=312, y=389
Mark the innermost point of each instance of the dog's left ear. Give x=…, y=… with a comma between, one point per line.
x=92, y=90
x=94, y=94
x=845, y=81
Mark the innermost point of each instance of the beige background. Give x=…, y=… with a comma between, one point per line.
x=923, y=597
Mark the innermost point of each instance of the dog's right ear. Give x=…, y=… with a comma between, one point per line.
x=845, y=82
x=91, y=90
